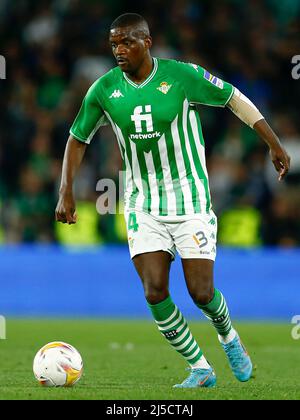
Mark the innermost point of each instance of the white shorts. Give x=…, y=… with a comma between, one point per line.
x=191, y=236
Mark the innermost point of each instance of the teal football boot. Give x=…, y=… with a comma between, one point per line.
x=239, y=359
x=199, y=378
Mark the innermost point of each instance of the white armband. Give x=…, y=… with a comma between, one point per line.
x=244, y=109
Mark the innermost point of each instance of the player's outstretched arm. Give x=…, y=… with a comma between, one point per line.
x=246, y=111
x=65, y=210
x=279, y=156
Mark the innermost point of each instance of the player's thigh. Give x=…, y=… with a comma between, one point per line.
x=146, y=234
x=199, y=277
x=153, y=268
x=195, y=241
x=152, y=250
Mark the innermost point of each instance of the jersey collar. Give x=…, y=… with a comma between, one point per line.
x=149, y=78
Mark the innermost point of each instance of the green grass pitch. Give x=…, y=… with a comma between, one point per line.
x=126, y=360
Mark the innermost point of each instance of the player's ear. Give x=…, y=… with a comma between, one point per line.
x=148, y=42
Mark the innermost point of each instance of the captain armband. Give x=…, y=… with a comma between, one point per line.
x=244, y=109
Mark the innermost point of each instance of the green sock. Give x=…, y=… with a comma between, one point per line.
x=217, y=312
x=174, y=327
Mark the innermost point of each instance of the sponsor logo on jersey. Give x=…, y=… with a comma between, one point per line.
x=144, y=115
x=213, y=79
x=155, y=135
x=116, y=94
x=142, y=118
x=164, y=87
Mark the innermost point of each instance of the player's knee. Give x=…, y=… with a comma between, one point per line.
x=203, y=298
x=156, y=295
x=202, y=295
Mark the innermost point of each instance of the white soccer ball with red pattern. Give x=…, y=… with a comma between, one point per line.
x=57, y=364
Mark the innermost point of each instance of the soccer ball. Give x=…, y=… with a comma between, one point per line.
x=57, y=364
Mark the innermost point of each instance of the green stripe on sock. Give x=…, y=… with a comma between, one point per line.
x=217, y=312
x=173, y=326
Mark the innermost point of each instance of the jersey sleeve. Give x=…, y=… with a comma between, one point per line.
x=201, y=87
x=89, y=118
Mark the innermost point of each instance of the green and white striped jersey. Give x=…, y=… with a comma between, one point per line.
x=159, y=133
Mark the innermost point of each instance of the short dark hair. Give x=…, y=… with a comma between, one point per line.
x=131, y=19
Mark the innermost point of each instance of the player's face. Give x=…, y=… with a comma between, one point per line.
x=129, y=48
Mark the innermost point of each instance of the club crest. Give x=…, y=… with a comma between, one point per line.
x=164, y=87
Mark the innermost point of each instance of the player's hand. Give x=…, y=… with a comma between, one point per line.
x=65, y=210
x=281, y=161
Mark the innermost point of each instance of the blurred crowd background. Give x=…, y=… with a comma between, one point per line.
x=56, y=49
